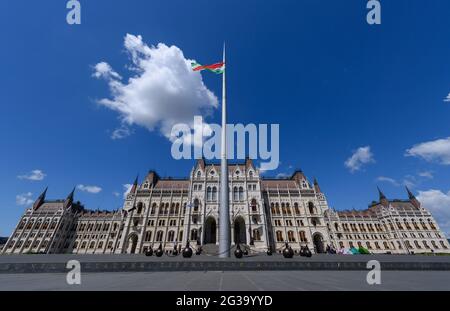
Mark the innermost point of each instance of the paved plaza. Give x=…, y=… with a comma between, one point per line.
x=231, y=281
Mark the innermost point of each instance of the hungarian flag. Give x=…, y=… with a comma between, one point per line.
x=216, y=68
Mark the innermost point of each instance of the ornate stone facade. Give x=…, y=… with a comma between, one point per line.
x=263, y=212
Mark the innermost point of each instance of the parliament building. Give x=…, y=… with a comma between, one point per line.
x=264, y=213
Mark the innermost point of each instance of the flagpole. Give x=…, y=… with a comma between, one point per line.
x=224, y=213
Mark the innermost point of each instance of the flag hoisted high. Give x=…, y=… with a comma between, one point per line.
x=216, y=68
x=224, y=209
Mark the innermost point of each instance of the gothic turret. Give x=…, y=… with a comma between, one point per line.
x=248, y=162
x=316, y=186
x=40, y=200
x=152, y=178
x=383, y=200
x=412, y=198
x=69, y=200
x=135, y=184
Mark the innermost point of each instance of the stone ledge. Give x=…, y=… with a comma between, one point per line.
x=218, y=265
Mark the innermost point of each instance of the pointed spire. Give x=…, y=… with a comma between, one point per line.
x=412, y=198
x=69, y=200
x=383, y=200
x=40, y=200
x=410, y=194
x=381, y=194
x=135, y=184
x=316, y=186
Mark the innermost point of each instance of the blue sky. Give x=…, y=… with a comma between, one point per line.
x=335, y=84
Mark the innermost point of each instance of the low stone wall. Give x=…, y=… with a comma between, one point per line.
x=138, y=263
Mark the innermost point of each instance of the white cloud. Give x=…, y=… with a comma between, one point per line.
x=24, y=199
x=127, y=189
x=89, y=189
x=121, y=132
x=162, y=91
x=426, y=174
x=438, y=203
x=104, y=70
x=35, y=175
x=436, y=150
x=116, y=194
x=410, y=181
x=447, y=99
x=388, y=180
x=360, y=157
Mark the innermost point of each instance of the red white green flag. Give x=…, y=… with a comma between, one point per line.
x=216, y=68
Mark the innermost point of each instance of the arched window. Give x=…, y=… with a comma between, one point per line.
x=53, y=225
x=153, y=210
x=172, y=209
x=22, y=224
x=250, y=174
x=139, y=207
x=214, y=194
x=254, y=207
x=312, y=209
x=30, y=224
x=171, y=236
x=432, y=226
x=241, y=194
x=161, y=209
x=283, y=208
x=92, y=245
x=288, y=209
x=196, y=205
x=209, y=194
x=166, y=209
x=177, y=209
x=235, y=194
x=194, y=234
x=199, y=174
x=279, y=236
x=148, y=236
x=277, y=209
x=272, y=208
x=302, y=236
x=291, y=236
x=296, y=209
x=180, y=236
x=159, y=236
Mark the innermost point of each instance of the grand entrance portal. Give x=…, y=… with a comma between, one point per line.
x=240, y=235
x=318, y=243
x=210, y=231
